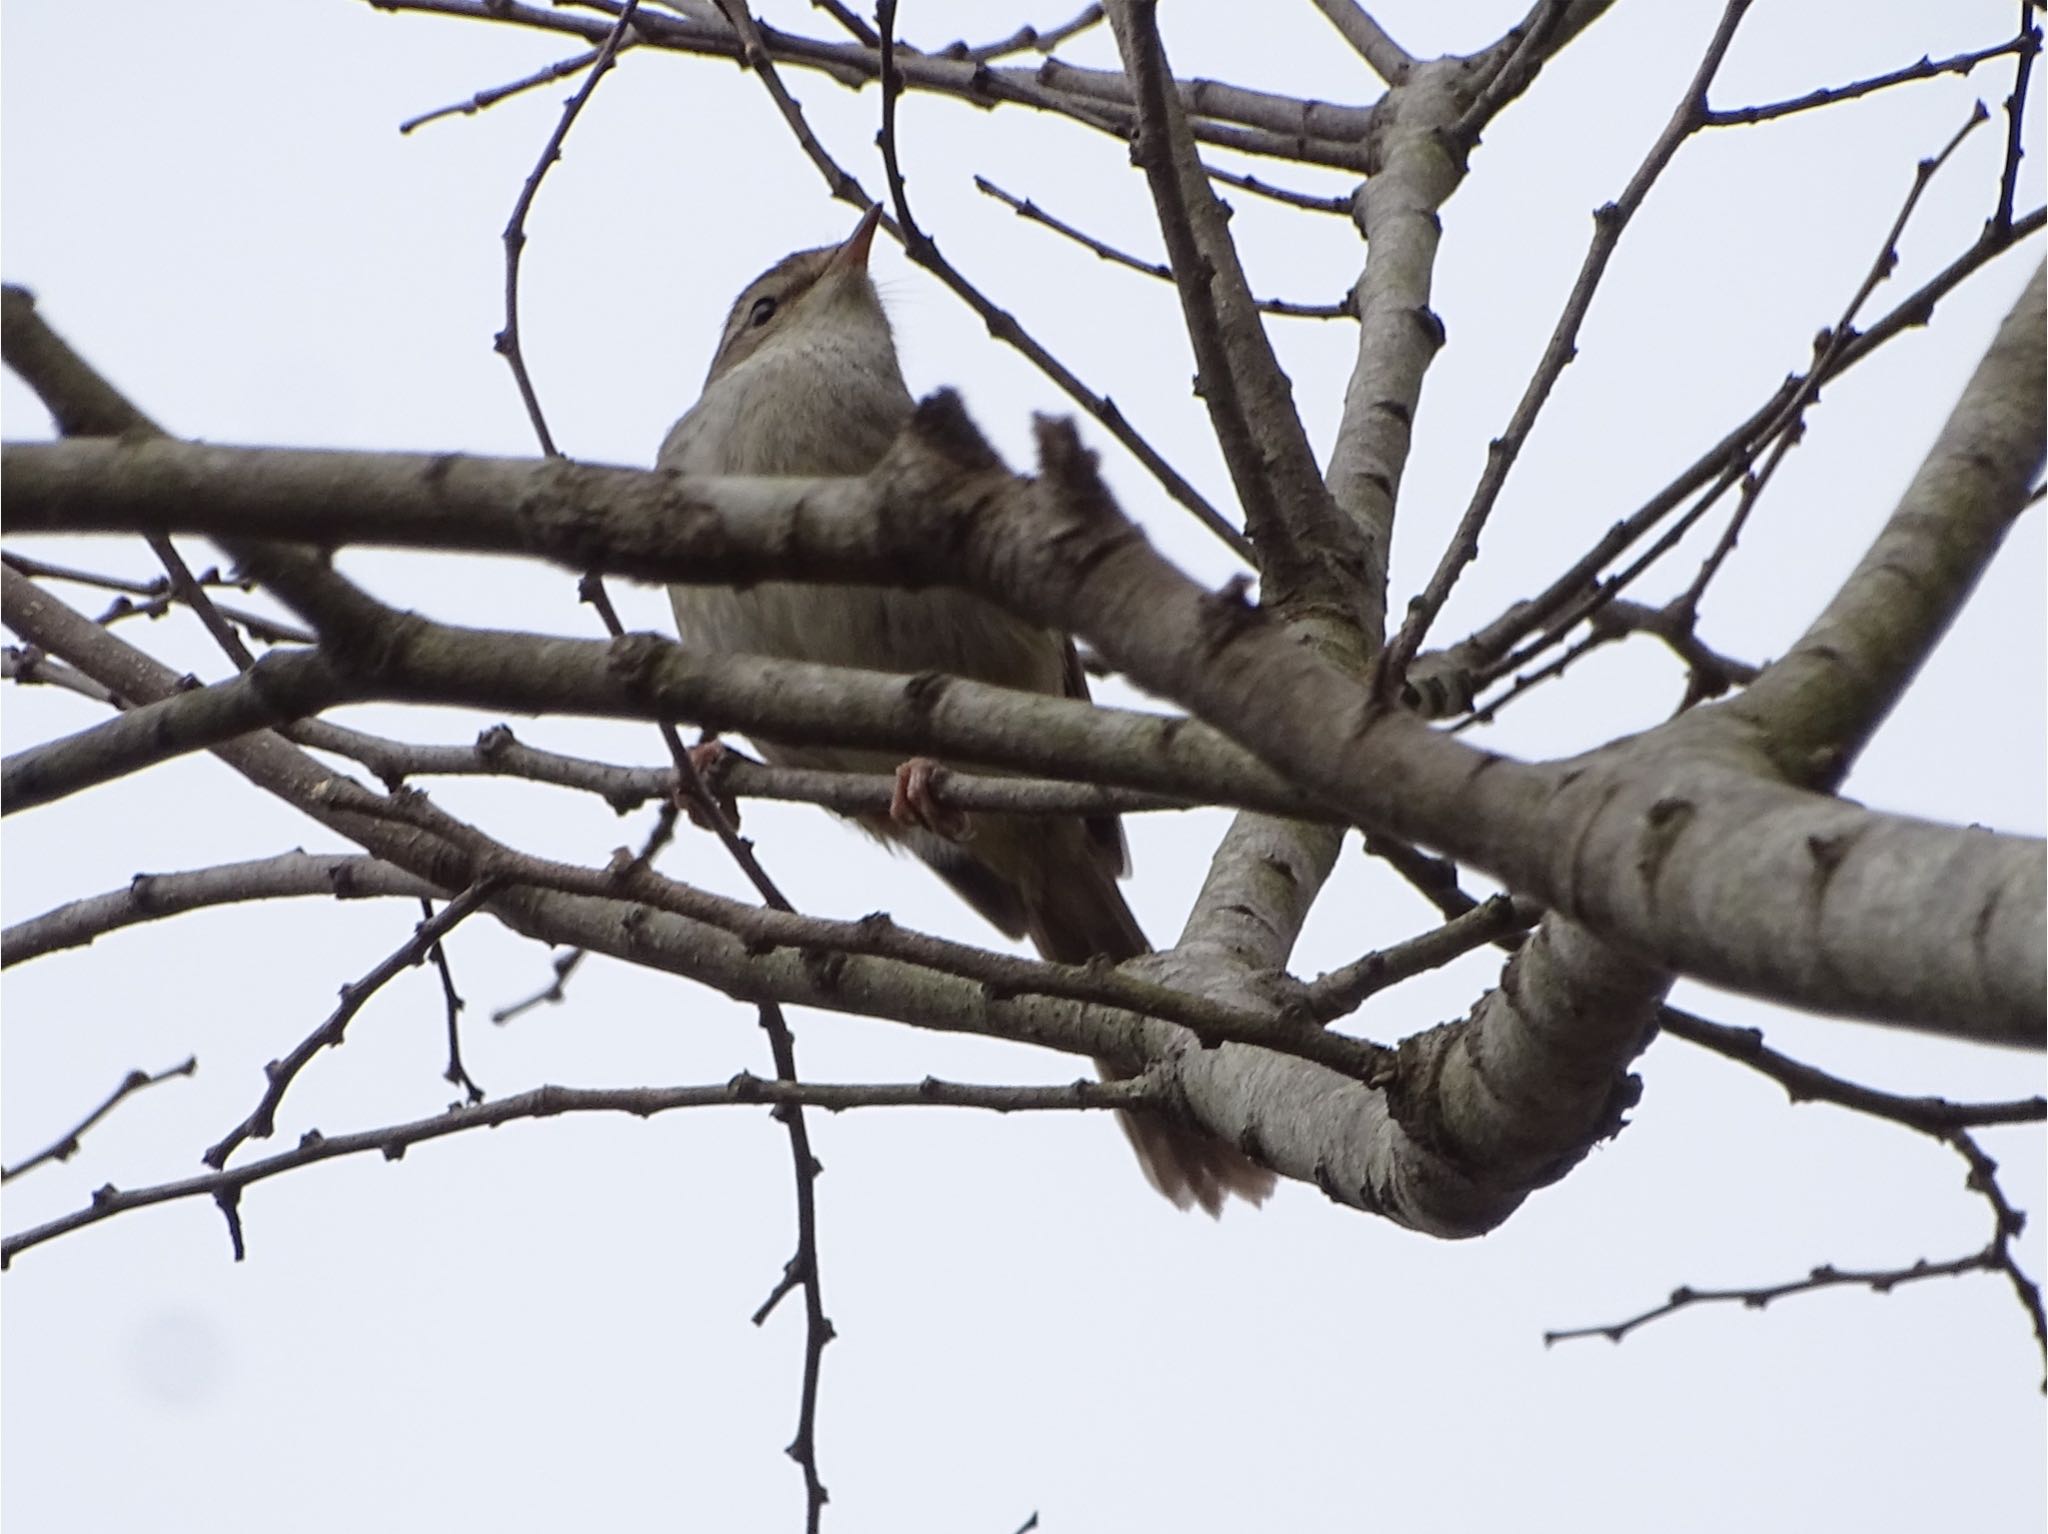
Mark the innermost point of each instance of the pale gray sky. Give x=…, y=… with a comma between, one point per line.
x=548, y=1325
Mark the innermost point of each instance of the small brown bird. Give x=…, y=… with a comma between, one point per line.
x=805, y=382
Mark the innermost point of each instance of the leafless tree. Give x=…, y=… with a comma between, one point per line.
x=1711, y=845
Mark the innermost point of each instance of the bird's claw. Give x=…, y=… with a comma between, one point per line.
x=920, y=782
x=708, y=760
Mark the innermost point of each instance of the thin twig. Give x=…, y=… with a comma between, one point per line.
x=802, y=1267
x=506, y=342
x=1995, y=1257
x=763, y=928
x=1342, y=991
x=1515, y=60
x=67, y=1146
x=256, y=625
x=1826, y=1276
x=279, y=1074
x=1608, y=224
x=1926, y=69
x=392, y=1141
x=1026, y=209
x=30, y=667
x=188, y=591
x=2015, y=116
x=483, y=100
x=497, y=752
x=1777, y=437
x=1339, y=205
x=1228, y=116
x=2008, y=1223
x=159, y=594
x=1026, y=39
x=566, y=963
x=456, y=1075
x=1804, y=1083
x=1485, y=655
x=1837, y=338
x=705, y=807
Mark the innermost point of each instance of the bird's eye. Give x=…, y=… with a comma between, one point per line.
x=762, y=312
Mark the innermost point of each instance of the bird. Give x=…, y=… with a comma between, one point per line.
x=805, y=381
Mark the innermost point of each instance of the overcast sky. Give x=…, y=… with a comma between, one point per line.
x=547, y=1325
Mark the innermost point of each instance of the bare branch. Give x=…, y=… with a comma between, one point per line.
x=1826, y=1276
x=1608, y=223
x=1925, y=69
x=1837, y=338
x=1819, y=704
x=802, y=1267
x=1308, y=200
x=1342, y=991
x=1387, y=58
x=30, y=667
x=1229, y=116
x=1426, y=125
x=497, y=752
x=566, y=964
x=1805, y=1084
x=66, y=1146
x=151, y=897
x=283, y=685
x=483, y=100
x=2015, y=124
x=280, y=1074
x=1028, y=210
x=392, y=1141
x=506, y=342
x=456, y=1075
x=1576, y=593
x=705, y=806
x=1061, y=553
x=1026, y=39
x=1996, y=1257
x=1306, y=550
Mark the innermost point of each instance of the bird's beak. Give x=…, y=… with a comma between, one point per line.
x=854, y=253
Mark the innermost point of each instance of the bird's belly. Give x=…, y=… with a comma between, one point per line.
x=873, y=628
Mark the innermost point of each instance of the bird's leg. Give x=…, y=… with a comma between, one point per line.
x=920, y=782
x=708, y=760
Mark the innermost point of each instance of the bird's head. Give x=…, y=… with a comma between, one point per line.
x=822, y=294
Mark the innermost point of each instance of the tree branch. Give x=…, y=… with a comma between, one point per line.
x=66, y=1146
x=392, y=1141
x=1819, y=704
x=1614, y=839
x=1608, y=223
x=1387, y=58
x=152, y=897
x=1306, y=551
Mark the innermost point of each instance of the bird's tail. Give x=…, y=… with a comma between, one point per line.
x=1090, y=919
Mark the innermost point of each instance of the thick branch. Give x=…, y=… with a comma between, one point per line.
x=1678, y=855
x=1308, y=555
x=1819, y=705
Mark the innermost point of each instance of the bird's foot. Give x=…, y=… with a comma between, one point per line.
x=920, y=783
x=708, y=761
